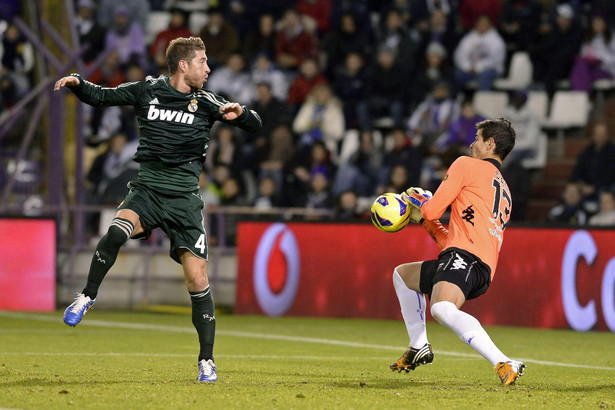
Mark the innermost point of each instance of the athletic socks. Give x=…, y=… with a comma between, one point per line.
x=106, y=252
x=413, y=311
x=468, y=329
x=204, y=321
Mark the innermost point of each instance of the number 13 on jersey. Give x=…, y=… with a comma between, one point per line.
x=502, y=201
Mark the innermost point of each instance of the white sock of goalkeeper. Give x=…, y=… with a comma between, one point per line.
x=413, y=311
x=468, y=329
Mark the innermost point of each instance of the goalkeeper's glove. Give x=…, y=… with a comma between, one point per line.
x=416, y=197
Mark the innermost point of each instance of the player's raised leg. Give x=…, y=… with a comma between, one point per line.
x=124, y=225
x=203, y=312
x=406, y=278
x=470, y=331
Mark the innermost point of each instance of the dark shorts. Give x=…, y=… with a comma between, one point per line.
x=457, y=266
x=180, y=216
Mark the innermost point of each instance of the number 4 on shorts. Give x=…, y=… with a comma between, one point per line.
x=200, y=244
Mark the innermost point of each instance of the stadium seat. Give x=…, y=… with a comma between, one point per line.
x=539, y=160
x=197, y=21
x=539, y=103
x=519, y=73
x=490, y=104
x=569, y=109
x=156, y=22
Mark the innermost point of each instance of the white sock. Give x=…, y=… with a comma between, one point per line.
x=413, y=310
x=468, y=329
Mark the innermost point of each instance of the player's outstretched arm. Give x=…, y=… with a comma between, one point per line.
x=68, y=81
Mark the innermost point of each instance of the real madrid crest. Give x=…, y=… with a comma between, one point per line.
x=193, y=106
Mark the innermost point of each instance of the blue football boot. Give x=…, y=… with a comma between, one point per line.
x=207, y=371
x=74, y=313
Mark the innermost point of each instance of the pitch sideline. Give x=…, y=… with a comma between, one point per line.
x=178, y=329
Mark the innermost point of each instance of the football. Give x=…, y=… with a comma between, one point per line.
x=390, y=212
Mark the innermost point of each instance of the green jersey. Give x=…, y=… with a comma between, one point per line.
x=173, y=127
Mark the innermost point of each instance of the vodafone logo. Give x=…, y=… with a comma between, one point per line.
x=276, y=270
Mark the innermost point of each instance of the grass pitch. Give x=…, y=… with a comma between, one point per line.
x=120, y=360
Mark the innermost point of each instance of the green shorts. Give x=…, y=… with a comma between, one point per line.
x=180, y=216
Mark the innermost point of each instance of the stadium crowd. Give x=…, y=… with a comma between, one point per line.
x=357, y=97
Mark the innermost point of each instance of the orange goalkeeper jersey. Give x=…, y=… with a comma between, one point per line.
x=480, y=207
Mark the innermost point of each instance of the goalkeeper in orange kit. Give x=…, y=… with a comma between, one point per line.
x=480, y=209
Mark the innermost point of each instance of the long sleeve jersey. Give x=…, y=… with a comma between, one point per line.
x=480, y=208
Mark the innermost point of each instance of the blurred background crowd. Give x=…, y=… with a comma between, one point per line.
x=357, y=97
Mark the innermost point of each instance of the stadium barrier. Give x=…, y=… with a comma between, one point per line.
x=546, y=278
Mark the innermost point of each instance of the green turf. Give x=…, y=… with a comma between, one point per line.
x=120, y=360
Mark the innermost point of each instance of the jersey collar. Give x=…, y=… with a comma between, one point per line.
x=496, y=163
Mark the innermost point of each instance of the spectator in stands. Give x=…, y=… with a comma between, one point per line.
x=266, y=198
x=606, y=215
x=526, y=124
x=221, y=37
x=231, y=80
x=434, y=68
x=404, y=154
x=394, y=35
x=294, y=43
x=111, y=171
x=519, y=182
x=361, y=173
x=232, y=195
x=272, y=112
x=422, y=12
x=17, y=58
x=349, y=84
x=461, y=133
x=321, y=118
x=398, y=179
x=277, y=157
x=470, y=11
x=431, y=119
x=518, y=23
x=261, y=40
x=597, y=57
x=438, y=31
x=384, y=91
x=299, y=170
x=595, y=169
x=137, y=11
x=319, y=11
x=126, y=37
x=110, y=73
x=347, y=208
x=570, y=209
x=319, y=195
x=91, y=34
x=558, y=44
x=301, y=86
x=344, y=40
x=209, y=192
x=480, y=55
x=265, y=71
x=226, y=151
x=178, y=27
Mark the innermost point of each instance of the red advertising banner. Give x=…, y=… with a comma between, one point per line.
x=27, y=264
x=551, y=278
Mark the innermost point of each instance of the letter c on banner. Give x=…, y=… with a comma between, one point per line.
x=608, y=295
x=580, y=318
x=277, y=250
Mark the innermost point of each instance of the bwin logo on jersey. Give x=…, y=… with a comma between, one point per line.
x=169, y=115
x=459, y=263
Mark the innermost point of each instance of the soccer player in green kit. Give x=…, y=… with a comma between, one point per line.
x=175, y=115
